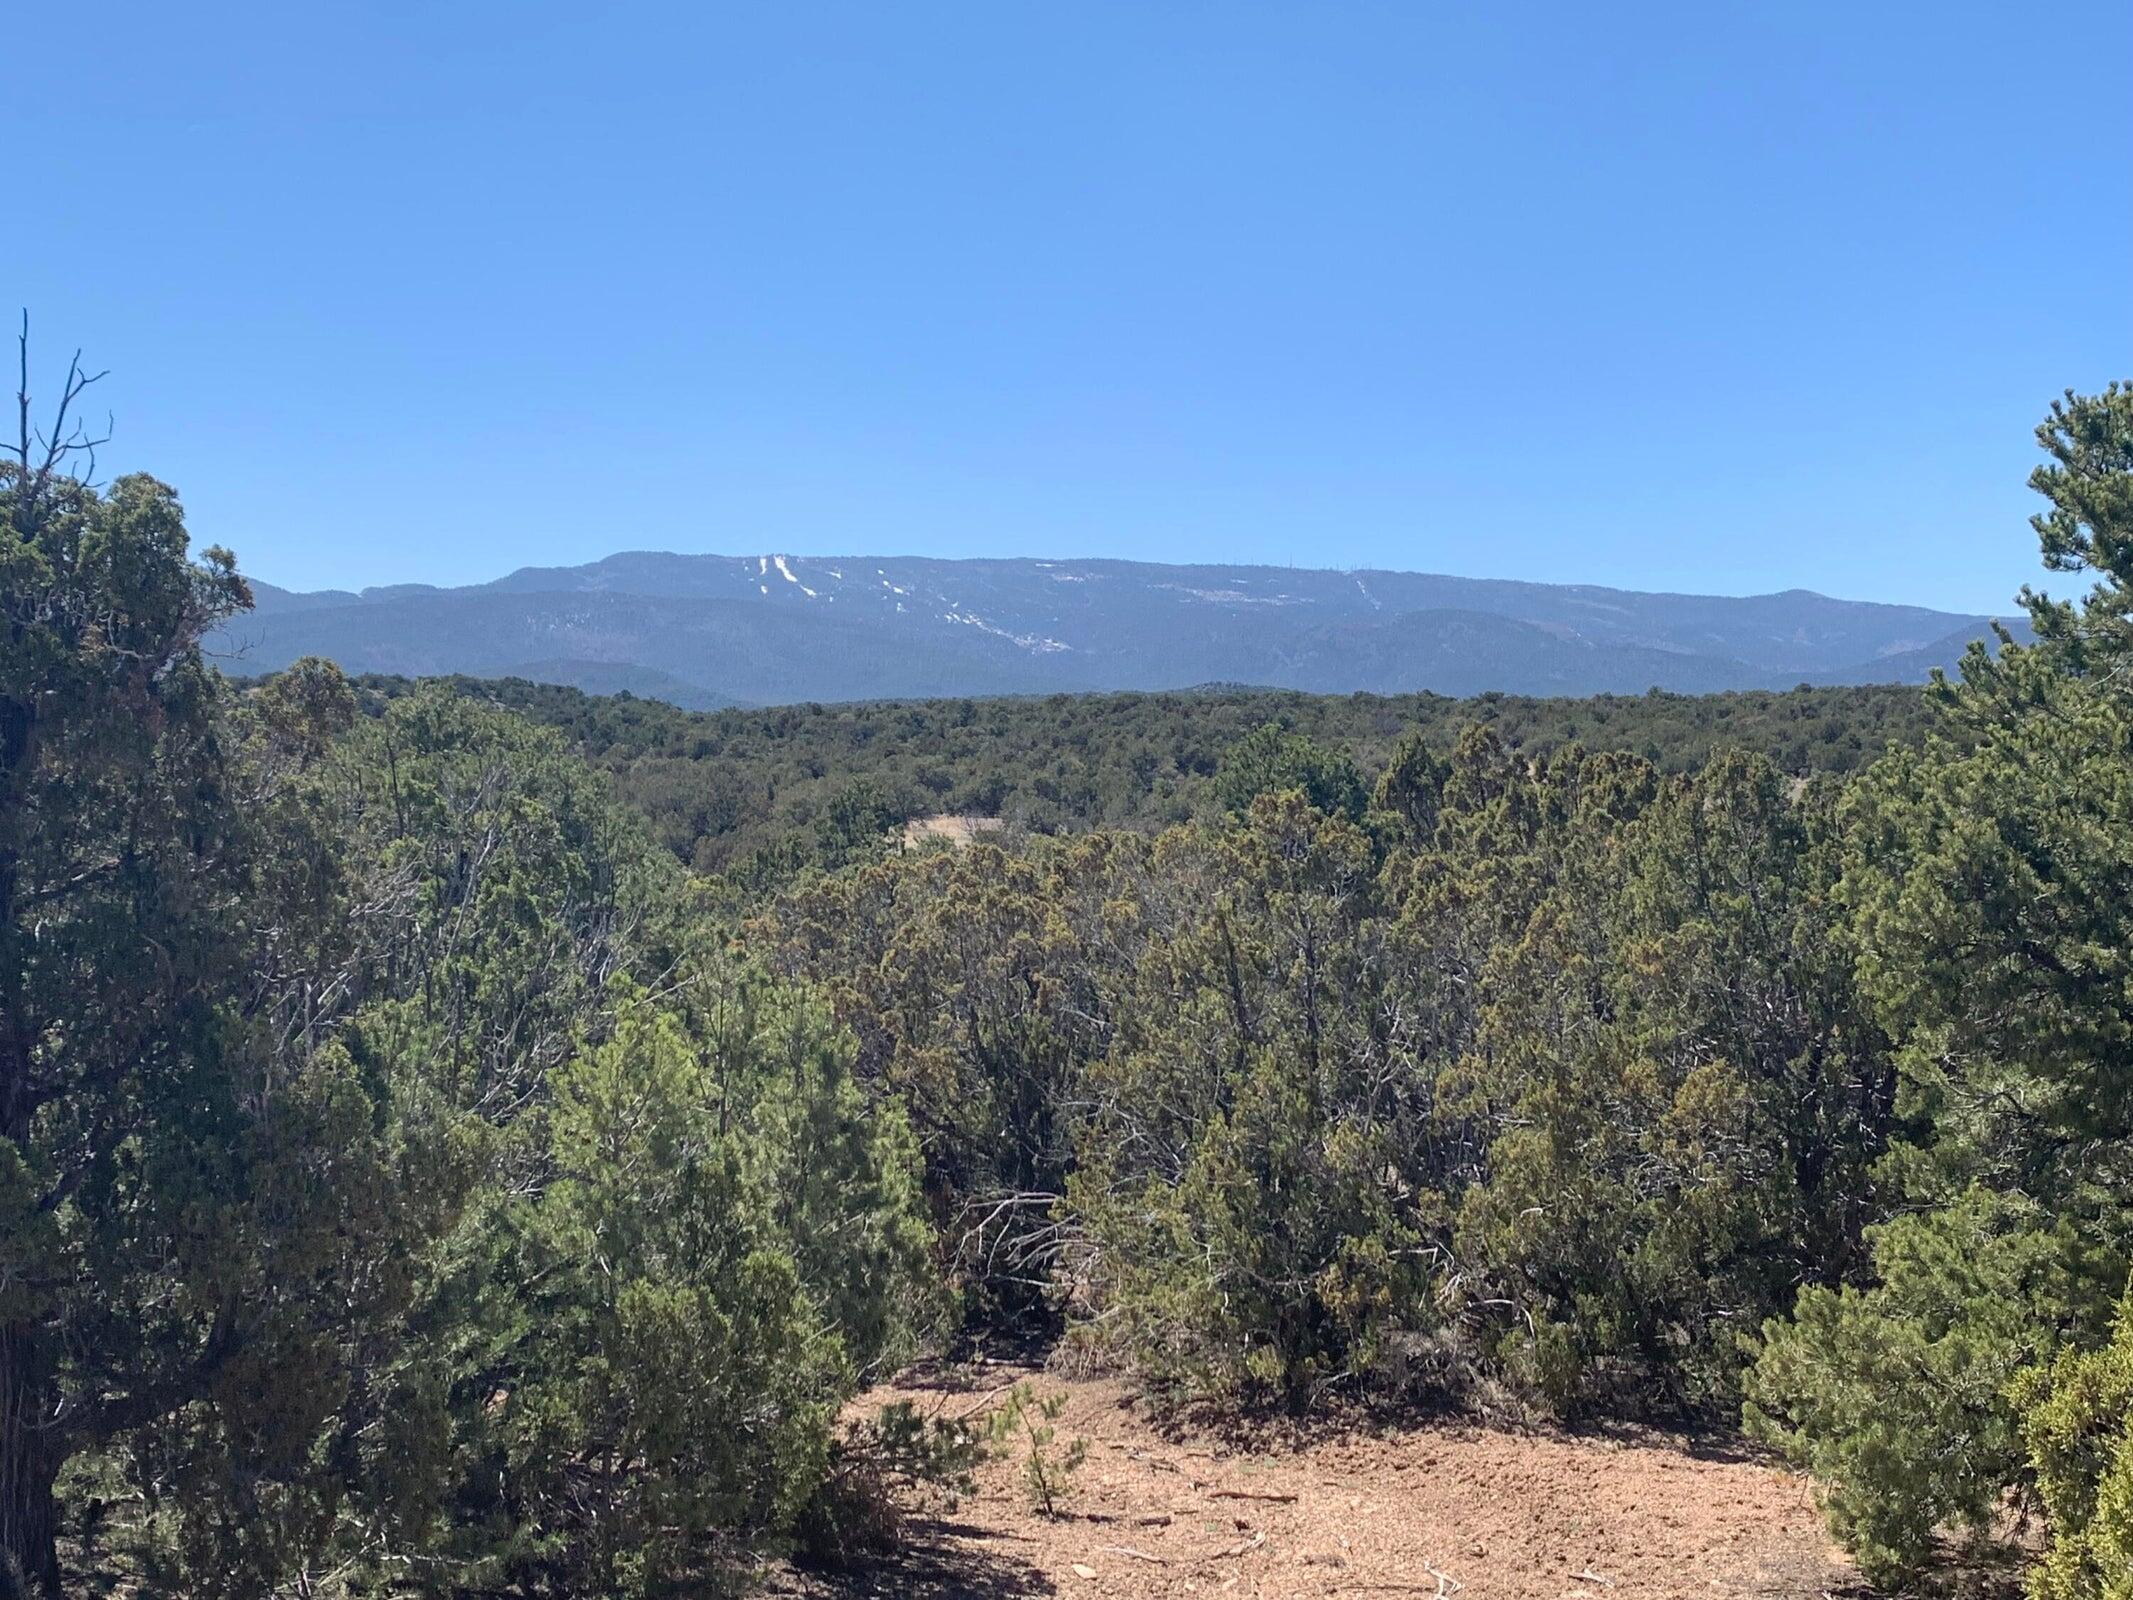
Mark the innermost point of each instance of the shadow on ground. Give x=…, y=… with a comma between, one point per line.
x=931, y=1567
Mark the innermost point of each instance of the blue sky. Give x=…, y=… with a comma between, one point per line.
x=1726, y=298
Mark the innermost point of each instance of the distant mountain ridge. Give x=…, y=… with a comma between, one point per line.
x=712, y=630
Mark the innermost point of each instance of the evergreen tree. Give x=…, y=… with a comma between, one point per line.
x=1990, y=886
x=196, y=1190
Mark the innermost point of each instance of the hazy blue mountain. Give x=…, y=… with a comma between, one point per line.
x=767, y=629
x=1916, y=666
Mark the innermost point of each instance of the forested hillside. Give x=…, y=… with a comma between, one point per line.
x=767, y=790
x=443, y=1154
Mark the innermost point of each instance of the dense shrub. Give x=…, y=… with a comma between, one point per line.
x=2078, y=1426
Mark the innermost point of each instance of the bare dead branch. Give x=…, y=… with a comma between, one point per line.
x=45, y=455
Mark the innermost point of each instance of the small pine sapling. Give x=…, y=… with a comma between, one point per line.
x=1025, y=1424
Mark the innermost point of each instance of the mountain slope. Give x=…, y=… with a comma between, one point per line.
x=775, y=629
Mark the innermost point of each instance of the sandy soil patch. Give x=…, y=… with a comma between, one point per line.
x=957, y=831
x=1163, y=1510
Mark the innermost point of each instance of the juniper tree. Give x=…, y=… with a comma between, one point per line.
x=165, y=1117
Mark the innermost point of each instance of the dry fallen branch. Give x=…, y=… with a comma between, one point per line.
x=1446, y=1585
x=1251, y=1494
x=1137, y=1555
x=985, y=1403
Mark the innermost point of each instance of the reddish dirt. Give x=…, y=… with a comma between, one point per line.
x=1166, y=1509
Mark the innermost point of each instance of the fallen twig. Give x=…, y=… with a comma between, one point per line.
x=1257, y=1539
x=984, y=1404
x=1137, y=1555
x=1251, y=1494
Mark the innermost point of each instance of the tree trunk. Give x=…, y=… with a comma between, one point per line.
x=29, y=1464
x=29, y=1454
x=29, y=1444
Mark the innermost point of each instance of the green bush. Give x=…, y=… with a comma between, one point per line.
x=639, y=1365
x=1269, y=760
x=1247, y=1232
x=2077, y=1422
x=877, y=1467
x=1897, y=1397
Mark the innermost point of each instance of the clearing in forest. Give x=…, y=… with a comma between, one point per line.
x=1162, y=1509
x=958, y=831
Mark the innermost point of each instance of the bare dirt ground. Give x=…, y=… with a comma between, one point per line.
x=958, y=831
x=1161, y=1508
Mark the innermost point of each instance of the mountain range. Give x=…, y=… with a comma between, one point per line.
x=713, y=630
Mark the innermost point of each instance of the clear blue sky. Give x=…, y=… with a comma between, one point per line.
x=1711, y=297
